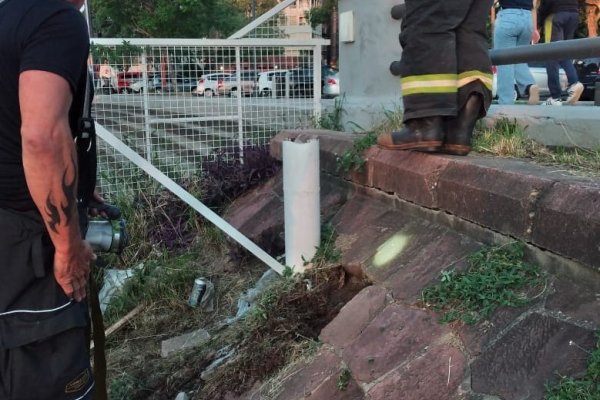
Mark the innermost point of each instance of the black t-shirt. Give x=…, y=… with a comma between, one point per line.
x=524, y=4
x=44, y=35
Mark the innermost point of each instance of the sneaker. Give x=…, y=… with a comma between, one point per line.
x=553, y=102
x=534, y=94
x=574, y=91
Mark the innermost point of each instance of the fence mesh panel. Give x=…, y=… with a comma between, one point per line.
x=181, y=105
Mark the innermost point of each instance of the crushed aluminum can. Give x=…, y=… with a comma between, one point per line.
x=197, y=292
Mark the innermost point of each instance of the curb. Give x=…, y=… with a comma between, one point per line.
x=536, y=204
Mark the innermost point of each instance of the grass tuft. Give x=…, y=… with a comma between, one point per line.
x=496, y=277
x=507, y=139
x=586, y=388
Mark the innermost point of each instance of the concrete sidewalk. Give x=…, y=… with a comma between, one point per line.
x=410, y=216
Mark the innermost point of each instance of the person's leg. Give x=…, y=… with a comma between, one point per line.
x=475, y=79
x=523, y=77
x=59, y=366
x=570, y=21
x=575, y=89
x=429, y=75
x=428, y=64
x=553, y=32
x=506, y=32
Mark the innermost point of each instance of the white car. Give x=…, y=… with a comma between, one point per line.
x=210, y=84
x=247, y=83
x=538, y=70
x=331, y=84
x=265, y=81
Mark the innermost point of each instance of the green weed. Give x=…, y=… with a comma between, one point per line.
x=326, y=253
x=586, y=388
x=333, y=120
x=507, y=139
x=164, y=279
x=496, y=277
x=353, y=159
x=123, y=386
x=343, y=379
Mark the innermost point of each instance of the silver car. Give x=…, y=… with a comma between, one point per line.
x=538, y=70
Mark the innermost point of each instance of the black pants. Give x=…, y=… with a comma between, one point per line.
x=445, y=56
x=57, y=368
x=44, y=353
x=560, y=26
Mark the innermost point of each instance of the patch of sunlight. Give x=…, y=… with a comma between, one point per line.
x=390, y=249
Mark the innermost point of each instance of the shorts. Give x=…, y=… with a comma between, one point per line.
x=57, y=368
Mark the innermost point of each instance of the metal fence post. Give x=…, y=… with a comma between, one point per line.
x=317, y=60
x=238, y=77
x=145, y=101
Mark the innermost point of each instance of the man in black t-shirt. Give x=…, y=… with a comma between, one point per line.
x=45, y=263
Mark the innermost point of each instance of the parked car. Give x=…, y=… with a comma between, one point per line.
x=124, y=81
x=248, y=82
x=266, y=78
x=153, y=83
x=330, y=82
x=588, y=71
x=301, y=82
x=538, y=70
x=209, y=85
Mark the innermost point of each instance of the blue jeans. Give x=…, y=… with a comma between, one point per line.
x=513, y=27
x=563, y=25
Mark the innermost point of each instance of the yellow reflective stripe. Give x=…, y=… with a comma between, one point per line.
x=471, y=76
x=421, y=84
x=428, y=78
x=477, y=73
x=432, y=83
x=548, y=28
x=429, y=89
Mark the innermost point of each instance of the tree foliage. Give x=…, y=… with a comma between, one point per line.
x=262, y=6
x=166, y=18
x=321, y=15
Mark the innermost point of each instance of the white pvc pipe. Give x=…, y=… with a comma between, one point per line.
x=301, y=196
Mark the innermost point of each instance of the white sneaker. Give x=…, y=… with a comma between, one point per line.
x=553, y=102
x=534, y=94
x=574, y=91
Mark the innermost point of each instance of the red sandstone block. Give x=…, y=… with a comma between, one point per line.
x=412, y=176
x=500, y=199
x=401, y=332
x=354, y=317
x=435, y=375
x=567, y=221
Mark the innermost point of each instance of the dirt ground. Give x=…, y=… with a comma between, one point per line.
x=284, y=325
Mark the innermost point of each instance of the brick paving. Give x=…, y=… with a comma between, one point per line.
x=409, y=216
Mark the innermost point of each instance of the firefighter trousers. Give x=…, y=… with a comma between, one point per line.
x=445, y=56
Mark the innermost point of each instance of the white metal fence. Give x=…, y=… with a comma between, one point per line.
x=179, y=102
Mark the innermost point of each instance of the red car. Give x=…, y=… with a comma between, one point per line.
x=125, y=80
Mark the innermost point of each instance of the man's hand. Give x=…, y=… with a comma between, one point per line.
x=72, y=270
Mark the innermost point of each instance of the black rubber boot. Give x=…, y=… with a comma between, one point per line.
x=421, y=134
x=459, y=129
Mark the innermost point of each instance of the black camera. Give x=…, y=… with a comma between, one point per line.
x=107, y=234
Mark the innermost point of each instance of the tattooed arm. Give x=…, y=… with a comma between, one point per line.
x=51, y=173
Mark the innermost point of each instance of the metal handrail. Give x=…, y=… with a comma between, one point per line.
x=562, y=50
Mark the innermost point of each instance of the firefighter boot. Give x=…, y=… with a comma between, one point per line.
x=459, y=129
x=421, y=134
